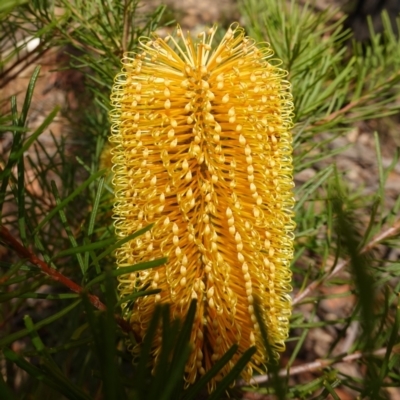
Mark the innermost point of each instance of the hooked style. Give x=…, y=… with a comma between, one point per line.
x=203, y=149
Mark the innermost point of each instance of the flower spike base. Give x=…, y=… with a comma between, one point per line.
x=202, y=149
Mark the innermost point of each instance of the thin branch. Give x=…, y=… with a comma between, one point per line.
x=393, y=230
x=347, y=108
x=5, y=80
x=382, y=236
x=125, y=33
x=343, y=110
x=55, y=275
x=316, y=365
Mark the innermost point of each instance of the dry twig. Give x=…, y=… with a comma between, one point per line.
x=316, y=365
x=393, y=230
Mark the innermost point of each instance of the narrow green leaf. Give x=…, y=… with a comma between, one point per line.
x=312, y=185
x=31, y=369
x=28, y=96
x=12, y=128
x=24, y=332
x=393, y=340
x=233, y=374
x=21, y=290
x=120, y=242
x=175, y=381
x=96, y=203
x=184, y=335
x=48, y=376
x=67, y=200
x=41, y=348
x=162, y=375
x=272, y=365
x=134, y=296
x=85, y=248
x=142, y=369
x=48, y=296
x=359, y=265
x=194, y=391
x=380, y=169
x=5, y=391
x=32, y=138
x=128, y=270
x=67, y=226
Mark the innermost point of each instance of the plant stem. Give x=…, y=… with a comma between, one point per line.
x=55, y=275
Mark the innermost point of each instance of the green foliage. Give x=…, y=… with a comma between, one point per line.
x=55, y=344
x=336, y=84
x=8, y=5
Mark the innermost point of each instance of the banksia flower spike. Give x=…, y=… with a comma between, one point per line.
x=202, y=149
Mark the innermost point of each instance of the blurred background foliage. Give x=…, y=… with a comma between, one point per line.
x=61, y=337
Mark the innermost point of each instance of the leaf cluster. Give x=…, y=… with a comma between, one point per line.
x=343, y=236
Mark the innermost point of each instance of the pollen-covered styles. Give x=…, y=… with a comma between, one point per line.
x=202, y=149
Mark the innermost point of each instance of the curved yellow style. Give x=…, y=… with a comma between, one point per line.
x=202, y=149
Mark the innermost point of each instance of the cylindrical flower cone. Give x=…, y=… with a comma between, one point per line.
x=202, y=149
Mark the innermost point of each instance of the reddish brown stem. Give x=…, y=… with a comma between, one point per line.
x=26, y=254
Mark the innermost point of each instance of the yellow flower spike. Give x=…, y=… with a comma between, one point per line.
x=202, y=149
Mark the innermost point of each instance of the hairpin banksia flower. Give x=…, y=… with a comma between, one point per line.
x=202, y=149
